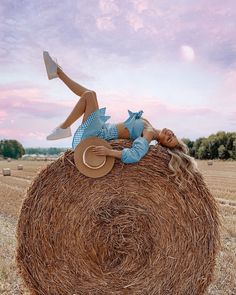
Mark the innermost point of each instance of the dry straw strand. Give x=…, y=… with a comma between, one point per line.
x=133, y=231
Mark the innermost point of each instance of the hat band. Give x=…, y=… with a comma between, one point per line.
x=89, y=166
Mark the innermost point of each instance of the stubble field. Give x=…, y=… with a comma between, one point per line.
x=220, y=178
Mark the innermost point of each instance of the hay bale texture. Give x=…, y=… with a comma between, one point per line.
x=19, y=167
x=6, y=172
x=133, y=231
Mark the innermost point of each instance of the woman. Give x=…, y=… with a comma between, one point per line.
x=135, y=127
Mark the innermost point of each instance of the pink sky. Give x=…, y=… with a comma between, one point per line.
x=176, y=60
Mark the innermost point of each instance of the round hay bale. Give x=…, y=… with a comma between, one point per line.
x=133, y=231
x=210, y=163
x=20, y=167
x=8, y=159
x=6, y=172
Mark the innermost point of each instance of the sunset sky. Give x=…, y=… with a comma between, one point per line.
x=175, y=60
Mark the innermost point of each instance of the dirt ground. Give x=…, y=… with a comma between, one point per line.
x=220, y=178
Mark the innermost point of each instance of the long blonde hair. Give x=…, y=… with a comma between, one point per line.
x=181, y=164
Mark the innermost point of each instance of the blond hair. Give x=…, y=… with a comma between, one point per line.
x=181, y=164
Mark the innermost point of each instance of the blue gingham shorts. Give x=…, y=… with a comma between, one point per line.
x=95, y=125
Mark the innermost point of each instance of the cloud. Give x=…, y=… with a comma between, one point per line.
x=141, y=5
x=153, y=107
x=226, y=95
x=11, y=133
x=105, y=23
x=187, y=53
x=120, y=39
x=22, y=101
x=85, y=26
x=109, y=7
x=232, y=119
x=135, y=22
x=21, y=135
x=37, y=135
x=191, y=122
x=3, y=115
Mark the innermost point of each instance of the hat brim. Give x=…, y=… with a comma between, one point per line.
x=78, y=158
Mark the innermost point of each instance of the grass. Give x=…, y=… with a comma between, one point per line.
x=220, y=178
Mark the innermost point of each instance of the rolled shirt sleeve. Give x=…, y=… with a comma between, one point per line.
x=139, y=149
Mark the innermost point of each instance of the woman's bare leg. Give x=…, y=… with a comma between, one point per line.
x=86, y=105
x=73, y=86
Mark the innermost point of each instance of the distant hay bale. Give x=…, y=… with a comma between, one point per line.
x=210, y=163
x=20, y=167
x=8, y=159
x=133, y=231
x=6, y=172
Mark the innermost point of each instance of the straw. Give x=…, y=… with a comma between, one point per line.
x=133, y=231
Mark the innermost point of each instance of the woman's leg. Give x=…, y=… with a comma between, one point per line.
x=75, y=87
x=86, y=105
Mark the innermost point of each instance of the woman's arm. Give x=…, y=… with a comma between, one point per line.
x=149, y=135
x=133, y=152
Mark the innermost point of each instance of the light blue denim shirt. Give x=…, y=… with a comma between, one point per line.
x=139, y=149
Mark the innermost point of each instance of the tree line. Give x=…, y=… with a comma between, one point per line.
x=44, y=151
x=10, y=148
x=221, y=145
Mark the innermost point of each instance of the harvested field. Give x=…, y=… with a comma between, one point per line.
x=220, y=177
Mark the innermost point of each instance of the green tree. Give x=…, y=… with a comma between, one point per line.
x=202, y=152
x=11, y=148
x=220, y=145
x=234, y=150
x=213, y=145
x=189, y=144
x=223, y=153
x=196, y=145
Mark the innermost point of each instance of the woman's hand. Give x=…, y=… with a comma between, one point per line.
x=104, y=151
x=101, y=150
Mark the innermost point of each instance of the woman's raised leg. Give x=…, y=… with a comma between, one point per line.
x=87, y=103
x=85, y=106
x=72, y=85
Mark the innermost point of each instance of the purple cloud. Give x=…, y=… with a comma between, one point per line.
x=22, y=101
x=118, y=27
x=3, y=115
x=88, y=36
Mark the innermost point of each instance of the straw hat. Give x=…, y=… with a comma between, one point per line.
x=90, y=164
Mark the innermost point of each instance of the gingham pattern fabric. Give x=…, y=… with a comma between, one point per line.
x=95, y=126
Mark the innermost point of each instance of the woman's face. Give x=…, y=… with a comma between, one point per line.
x=167, y=138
